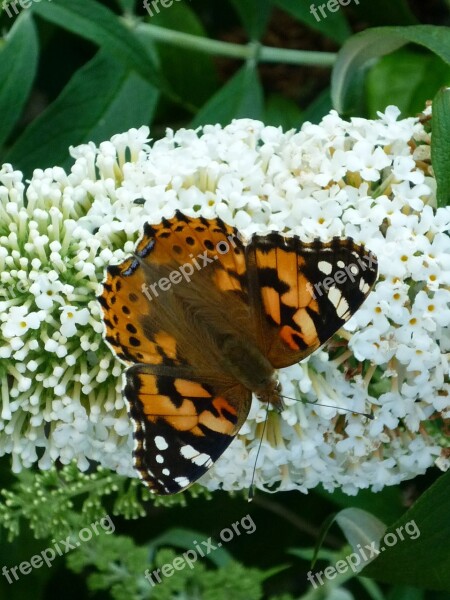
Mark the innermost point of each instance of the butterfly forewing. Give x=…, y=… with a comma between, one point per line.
x=302, y=293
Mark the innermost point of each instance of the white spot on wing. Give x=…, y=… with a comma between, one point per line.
x=198, y=458
x=334, y=295
x=182, y=481
x=188, y=452
x=161, y=443
x=363, y=286
x=338, y=301
x=325, y=267
x=343, y=308
x=159, y=459
x=166, y=472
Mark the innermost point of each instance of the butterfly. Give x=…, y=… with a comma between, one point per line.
x=203, y=320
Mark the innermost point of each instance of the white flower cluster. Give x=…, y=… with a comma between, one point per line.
x=368, y=179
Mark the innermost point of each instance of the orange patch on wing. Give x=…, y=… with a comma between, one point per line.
x=290, y=298
x=305, y=291
x=287, y=266
x=271, y=301
x=150, y=354
x=182, y=418
x=221, y=403
x=149, y=385
x=190, y=389
x=230, y=260
x=287, y=335
x=225, y=282
x=267, y=259
x=123, y=306
x=218, y=424
x=306, y=326
x=167, y=343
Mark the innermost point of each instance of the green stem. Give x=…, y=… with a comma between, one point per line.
x=252, y=51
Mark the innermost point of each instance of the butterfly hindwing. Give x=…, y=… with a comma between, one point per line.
x=182, y=426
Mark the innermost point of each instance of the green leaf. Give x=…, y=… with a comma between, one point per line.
x=416, y=546
x=188, y=539
x=101, y=99
x=318, y=108
x=386, y=505
x=386, y=81
x=372, y=589
x=192, y=75
x=96, y=23
x=405, y=593
x=374, y=43
x=127, y=6
x=334, y=25
x=440, y=145
x=281, y=111
x=241, y=96
x=18, y=63
x=360, y=528
x=321, y=537
x=254, y=15
x=384, y=12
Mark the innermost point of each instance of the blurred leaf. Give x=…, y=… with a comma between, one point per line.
x=185, y=538
x=360, y=527
x=321, y=537
x=334, y=25
x=374, y=43
x=127, y=6
x=440, y=145
x=254, y=15
x=18, y=62
x=241, y=96
x=422, y=557
x=405, y=593
x=386, y=504
x=96, y=23
x=101, y=99
x=372, y=589
x=406, y=79
x=384, y=12
x=318, y=108
x=191, y=74
x=281, y=111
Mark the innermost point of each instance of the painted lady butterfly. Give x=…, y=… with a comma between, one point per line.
x=203, y=320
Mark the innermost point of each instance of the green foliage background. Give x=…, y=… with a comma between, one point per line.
x=73, y=71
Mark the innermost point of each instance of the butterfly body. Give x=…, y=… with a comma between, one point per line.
x=203, y=320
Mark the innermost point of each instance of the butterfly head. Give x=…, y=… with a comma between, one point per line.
x=271, y=393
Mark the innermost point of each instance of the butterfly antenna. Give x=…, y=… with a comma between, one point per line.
x=251, y=491
x=349, y=410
